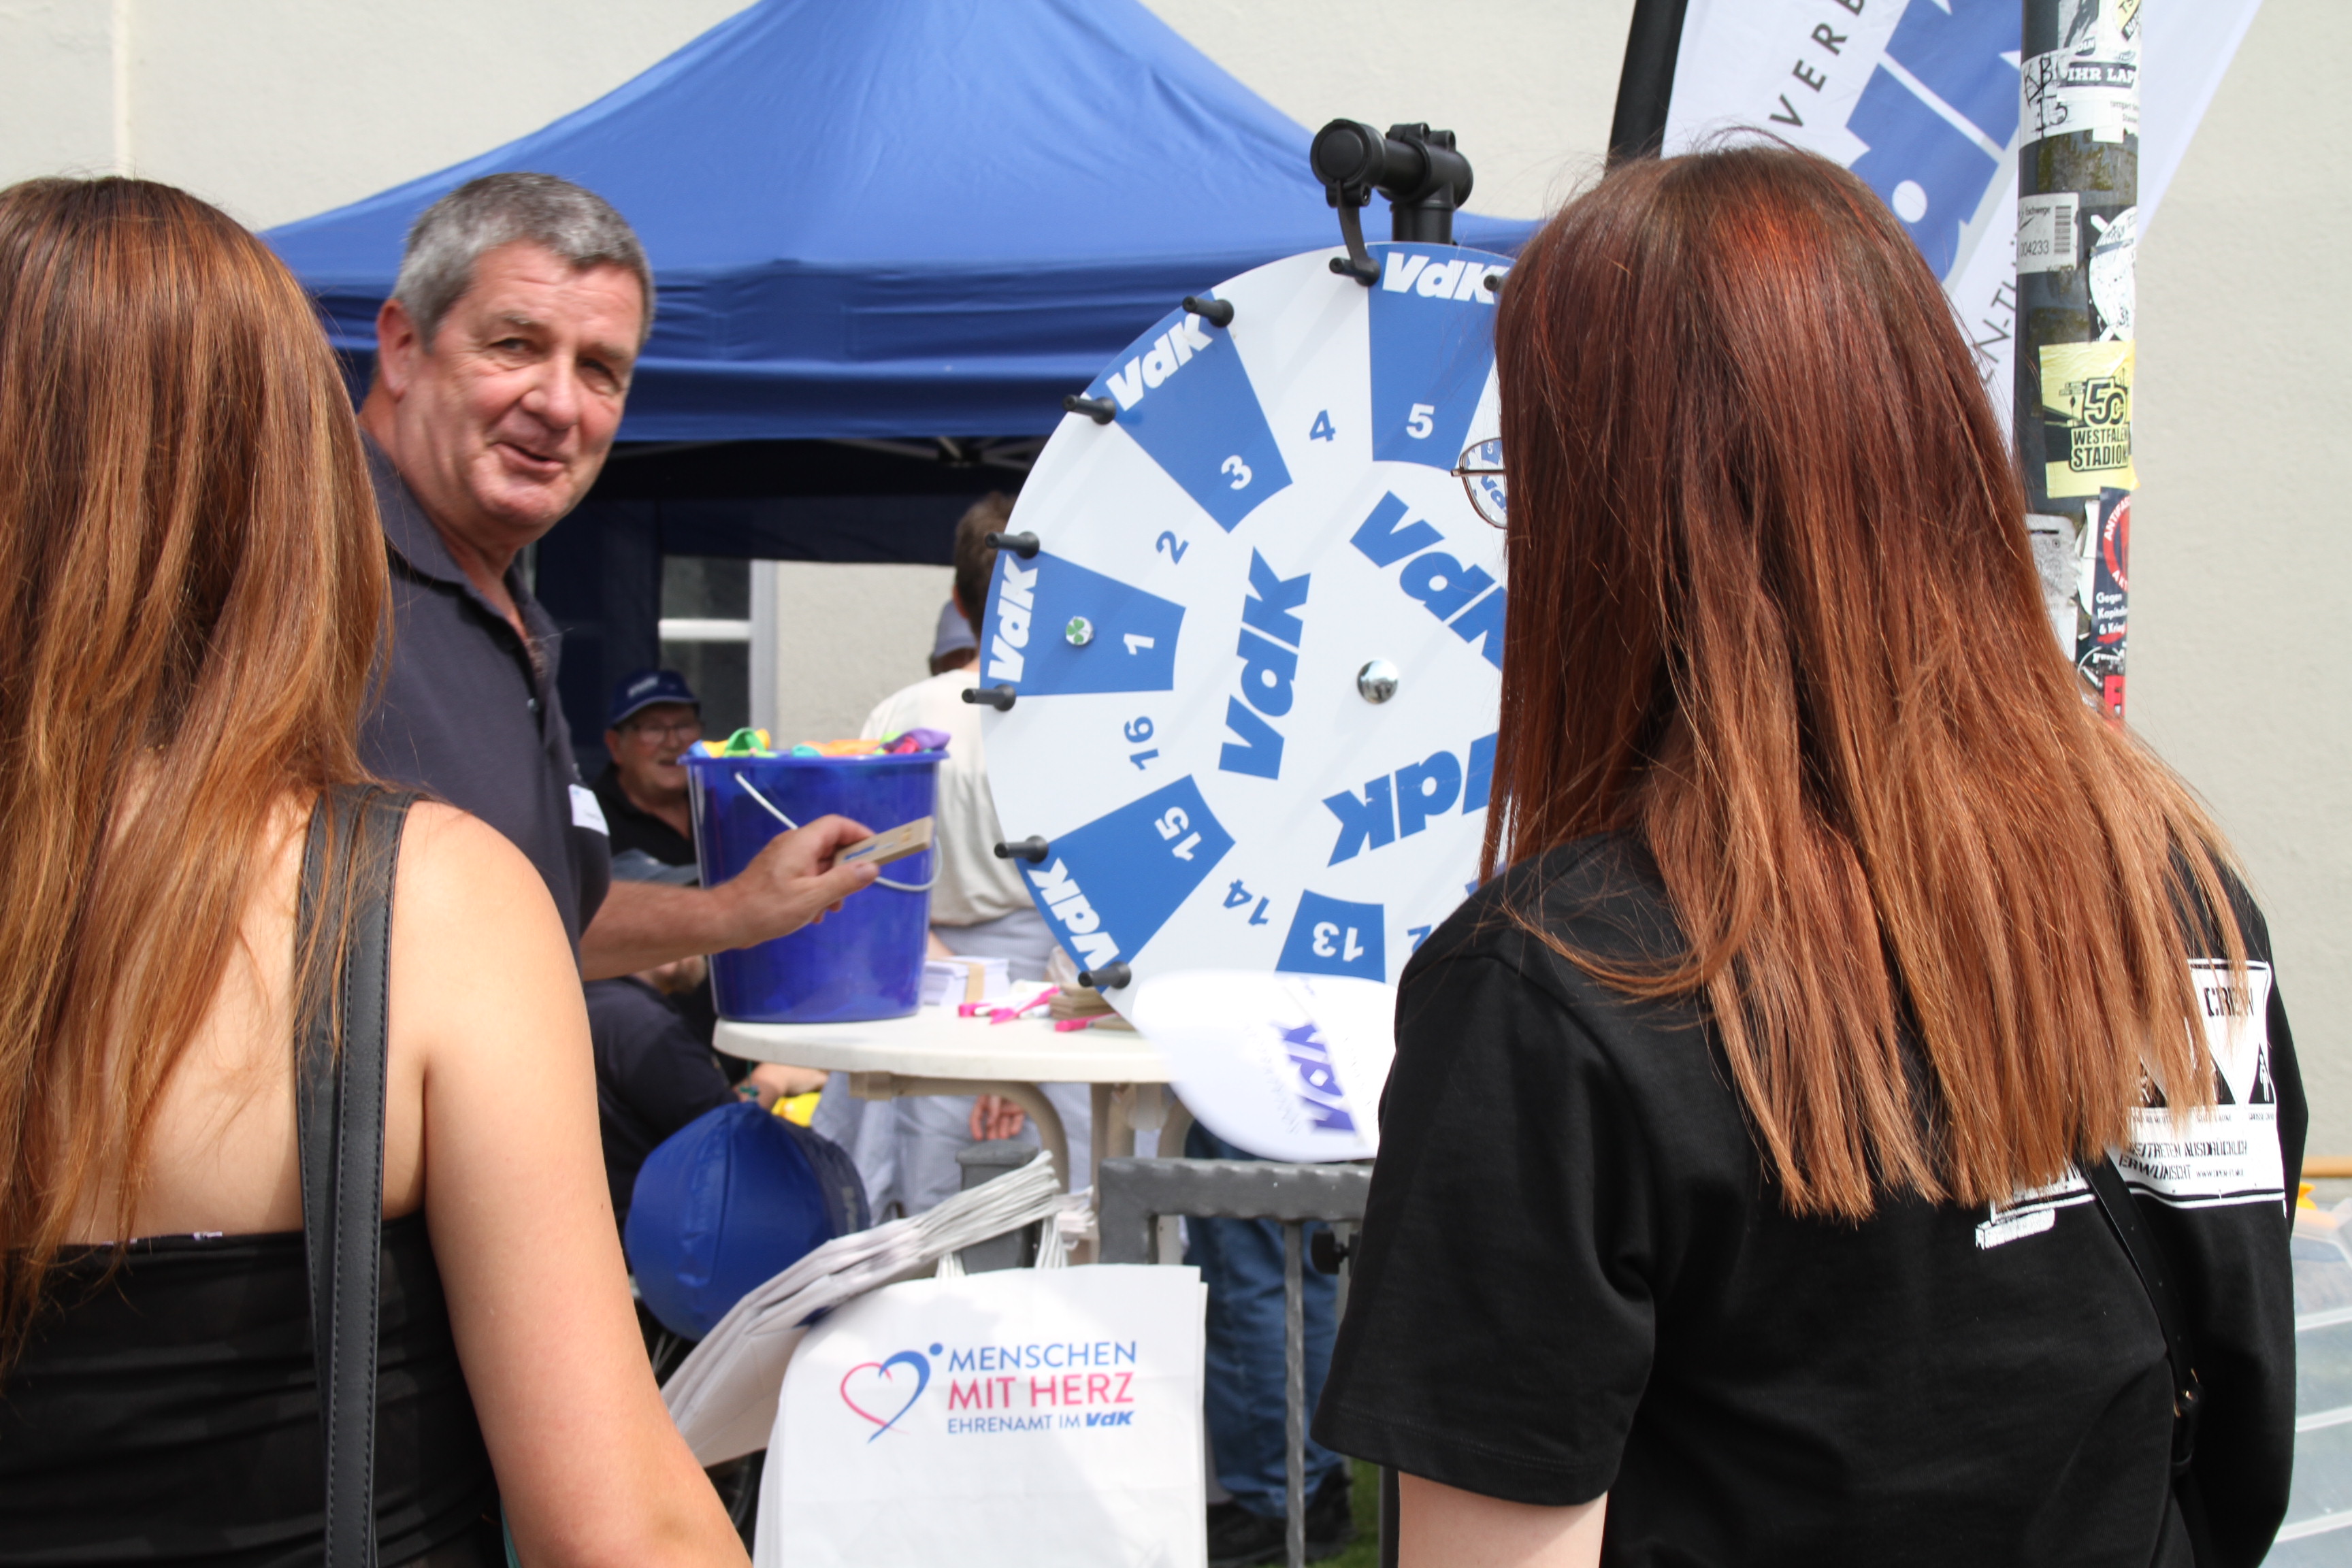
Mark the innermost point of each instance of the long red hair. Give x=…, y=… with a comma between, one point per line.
x=1773, y=612
x=192, y=580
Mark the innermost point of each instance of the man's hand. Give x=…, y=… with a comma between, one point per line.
x=642, y=925
x=793, y=881
x=994, y=1117
x=771, y=1082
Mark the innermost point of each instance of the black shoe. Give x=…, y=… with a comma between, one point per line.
x=1241, y=1539
x=1331, y=1516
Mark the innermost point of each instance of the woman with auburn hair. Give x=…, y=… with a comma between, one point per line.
x=191, y=587
x=1746, y=1192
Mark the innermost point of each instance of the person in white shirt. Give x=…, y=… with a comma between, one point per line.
x=956, y=644
x=906, y=1148
x=979, y=905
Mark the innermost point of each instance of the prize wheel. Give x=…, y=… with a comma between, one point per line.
x=1256, y=657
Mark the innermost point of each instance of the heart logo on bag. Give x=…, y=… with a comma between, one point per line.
x=879, y=1388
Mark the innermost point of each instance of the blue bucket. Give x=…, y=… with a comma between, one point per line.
x=865, y=961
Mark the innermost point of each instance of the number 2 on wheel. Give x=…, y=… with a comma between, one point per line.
x=1171, y=546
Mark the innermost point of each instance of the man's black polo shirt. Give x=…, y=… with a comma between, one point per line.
x=640, y=842
x=633, y=827
x=464, y=714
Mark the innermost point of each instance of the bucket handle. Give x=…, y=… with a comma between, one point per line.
x=880, y=881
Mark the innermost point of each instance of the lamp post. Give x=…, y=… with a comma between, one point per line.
x=2077, y=245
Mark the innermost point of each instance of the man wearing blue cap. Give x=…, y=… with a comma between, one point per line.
x=655, y=717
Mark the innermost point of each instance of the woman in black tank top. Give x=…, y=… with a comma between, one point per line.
x=191, y=582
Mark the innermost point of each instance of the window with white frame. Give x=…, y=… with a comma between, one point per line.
x=706, y=635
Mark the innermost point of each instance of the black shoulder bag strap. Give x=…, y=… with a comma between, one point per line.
x=2158, y=1277
x=348, y=861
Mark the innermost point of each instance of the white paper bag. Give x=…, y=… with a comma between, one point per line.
x=1030, y=1418
x=723, y=1396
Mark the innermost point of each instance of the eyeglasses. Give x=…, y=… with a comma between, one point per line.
x=1480, y=469
x=686, y=730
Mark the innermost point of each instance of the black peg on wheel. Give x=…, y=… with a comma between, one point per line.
x=1110, y=977
x=1032, y=848
x=1024, y=545
x=1327, y=1252
x=1101, y=410
x=1216, y=312
x=997, y=697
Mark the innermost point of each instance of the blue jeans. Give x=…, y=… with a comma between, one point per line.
x=1240, y=1261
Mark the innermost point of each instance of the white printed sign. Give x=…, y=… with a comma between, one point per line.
x=1025, y=1418
x=2090, y=82
x=2229, y=1154
x=1289, y=1066
x=2045, y=232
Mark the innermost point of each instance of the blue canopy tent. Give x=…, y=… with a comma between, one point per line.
x=890, y=221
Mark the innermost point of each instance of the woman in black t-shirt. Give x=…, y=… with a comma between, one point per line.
x=1735, y=1197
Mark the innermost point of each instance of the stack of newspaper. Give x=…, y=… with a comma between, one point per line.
x=723, y=1396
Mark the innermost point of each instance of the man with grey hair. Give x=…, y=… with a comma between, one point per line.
x=503, y=361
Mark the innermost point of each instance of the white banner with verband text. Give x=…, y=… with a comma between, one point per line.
x=1921, y=97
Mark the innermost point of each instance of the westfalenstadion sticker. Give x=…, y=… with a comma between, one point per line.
x=2086, y=417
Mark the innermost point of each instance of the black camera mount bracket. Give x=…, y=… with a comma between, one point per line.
x=1418, y=169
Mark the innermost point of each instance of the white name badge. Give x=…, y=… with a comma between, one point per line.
x=587, y=811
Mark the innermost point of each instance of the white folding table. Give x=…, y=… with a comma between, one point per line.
x=932, y=1051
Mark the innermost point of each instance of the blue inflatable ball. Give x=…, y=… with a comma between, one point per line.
x=724, y=1205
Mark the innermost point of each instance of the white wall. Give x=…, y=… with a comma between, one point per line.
x=57, y=87
x=277, y=108
x=282, y=108
x=2241, y=562
x=845, y=636
x=1528, y=86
